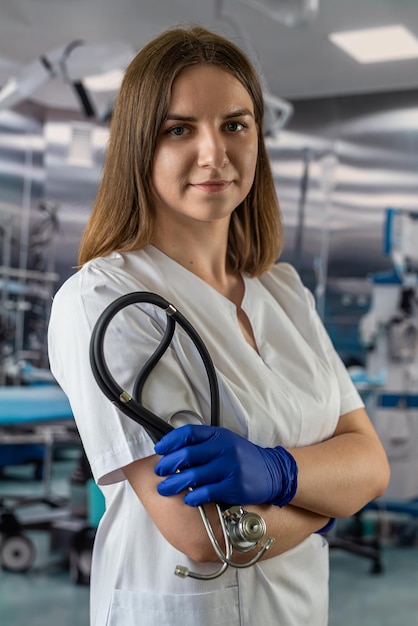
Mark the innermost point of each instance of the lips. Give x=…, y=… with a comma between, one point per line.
x=212, y=186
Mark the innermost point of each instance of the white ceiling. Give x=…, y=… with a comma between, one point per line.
x=297, y=62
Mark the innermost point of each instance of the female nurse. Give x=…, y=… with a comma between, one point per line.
x=187, y=209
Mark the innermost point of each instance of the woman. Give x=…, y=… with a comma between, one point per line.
x=187, y=209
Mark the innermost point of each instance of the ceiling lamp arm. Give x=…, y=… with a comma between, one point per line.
x=26, y=82
x=77, y=85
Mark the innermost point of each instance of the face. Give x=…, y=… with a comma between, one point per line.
x=206, y=153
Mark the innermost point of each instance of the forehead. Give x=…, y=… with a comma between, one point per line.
x=209, y=84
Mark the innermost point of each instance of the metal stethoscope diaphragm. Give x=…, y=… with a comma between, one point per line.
x=242, y=531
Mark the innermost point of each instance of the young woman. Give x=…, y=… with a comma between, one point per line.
x=187, y=209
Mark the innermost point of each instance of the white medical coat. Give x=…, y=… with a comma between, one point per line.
x=291, y=393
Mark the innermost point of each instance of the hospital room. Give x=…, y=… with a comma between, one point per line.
x=227, y=191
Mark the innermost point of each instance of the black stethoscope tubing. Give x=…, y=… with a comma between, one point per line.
x=132, y=405
x=154, y=425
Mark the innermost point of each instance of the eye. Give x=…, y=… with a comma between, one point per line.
x=233, y=127
x=177, y=131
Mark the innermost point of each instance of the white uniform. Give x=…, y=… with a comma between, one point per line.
x=291, y=393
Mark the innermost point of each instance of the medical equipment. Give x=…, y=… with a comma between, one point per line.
x=389, y=386
x=33, y=415
x=242, y=531
x=25, y=291
x=389, y=332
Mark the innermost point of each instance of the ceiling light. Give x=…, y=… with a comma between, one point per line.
x=375, y=45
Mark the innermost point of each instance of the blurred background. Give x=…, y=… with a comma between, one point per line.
x=342, y=135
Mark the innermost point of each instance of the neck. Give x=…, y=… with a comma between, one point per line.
x=203, y=252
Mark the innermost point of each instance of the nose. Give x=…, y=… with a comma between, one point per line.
x=212, y=150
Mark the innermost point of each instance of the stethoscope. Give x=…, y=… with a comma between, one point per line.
x=242, y=530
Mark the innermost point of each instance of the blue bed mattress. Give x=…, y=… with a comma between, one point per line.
x=23, y=405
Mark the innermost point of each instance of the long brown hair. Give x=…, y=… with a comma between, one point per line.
x=122, y=217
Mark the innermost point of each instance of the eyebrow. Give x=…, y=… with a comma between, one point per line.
x=189, y=118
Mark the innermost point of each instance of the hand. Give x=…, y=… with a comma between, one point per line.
x=217, y=465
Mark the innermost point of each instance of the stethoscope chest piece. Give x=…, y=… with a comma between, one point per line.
x=245, y=528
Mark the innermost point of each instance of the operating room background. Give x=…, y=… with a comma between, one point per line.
x=348, y=152
x=344, y=155
x=340, y=162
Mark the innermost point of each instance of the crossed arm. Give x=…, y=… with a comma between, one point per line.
x=337, y=477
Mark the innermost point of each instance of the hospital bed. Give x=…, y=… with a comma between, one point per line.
x=37, y=415
x=32, y=415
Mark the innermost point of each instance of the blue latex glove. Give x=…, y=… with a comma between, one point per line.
x=220, y=466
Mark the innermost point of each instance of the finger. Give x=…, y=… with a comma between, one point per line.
x=190, y=456
x=217, y=492
x=171, y=463
x=172, y=485
x=202, y=495
x=190, y=479
x=189, y=434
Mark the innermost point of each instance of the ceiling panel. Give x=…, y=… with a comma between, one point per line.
x=297, y=62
